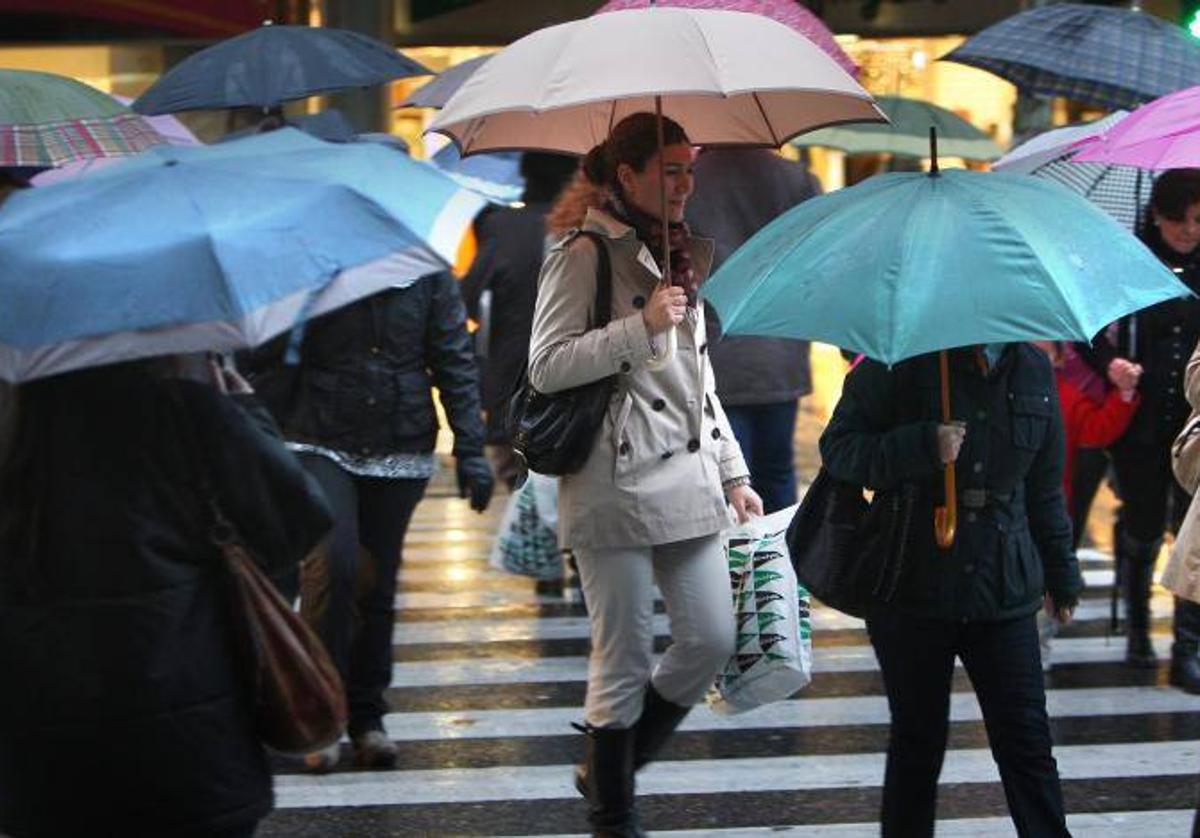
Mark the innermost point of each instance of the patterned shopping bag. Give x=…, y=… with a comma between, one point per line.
x=527, y=543
x=773, y=657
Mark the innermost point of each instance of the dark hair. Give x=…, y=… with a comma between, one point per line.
x=545, y=175
x=1175, y=191
x=632, y=141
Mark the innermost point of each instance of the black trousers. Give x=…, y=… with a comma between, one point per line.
x=1151, y=500
x=1003, y=660
x=349, y=594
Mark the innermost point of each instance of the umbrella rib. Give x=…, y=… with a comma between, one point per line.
x=767, y=122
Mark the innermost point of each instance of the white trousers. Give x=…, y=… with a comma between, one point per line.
x=618, y=585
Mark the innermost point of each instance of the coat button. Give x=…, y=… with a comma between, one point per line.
x=639, y=301
x=703, y=348
x=375, y=350
x=693, y=445
x=623, y=449
x=716, y=433
x=667, y=455
x=625, y=366
x=371, y=400
x=364, y=450
x=968, y=568
x=972, y=517
x=981, y=415
x=977, y=467
x=657, y=404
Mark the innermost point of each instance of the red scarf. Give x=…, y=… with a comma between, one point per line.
x=649, y=230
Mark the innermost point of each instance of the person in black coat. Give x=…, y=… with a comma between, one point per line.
x=124, y=711
x=1159, y=339
x=759, y=380
x=512, y=244
x=978, y=599
x=357, y=407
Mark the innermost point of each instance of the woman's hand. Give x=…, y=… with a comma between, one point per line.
x=1124, y=374
x=225, y=379
x=1063, y=615
x=746, y=503
x=949, y=441
x=664, y=309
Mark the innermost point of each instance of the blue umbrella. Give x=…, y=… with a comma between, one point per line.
x=213, y=247
x=910, y=263
x=496, y=175
x=271, y=65
x=1111, y=57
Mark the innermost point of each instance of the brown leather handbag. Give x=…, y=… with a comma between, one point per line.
x=299, y=702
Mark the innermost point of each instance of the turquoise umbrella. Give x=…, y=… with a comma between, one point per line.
x=910, y=263
x=907, y=133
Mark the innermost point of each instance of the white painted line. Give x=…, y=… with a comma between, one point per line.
x=827, y=659
x=796, y=773
x=782, y=715
x=1161, y=822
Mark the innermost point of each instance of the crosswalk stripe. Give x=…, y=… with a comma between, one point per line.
x=540, y=782
x=817, y=712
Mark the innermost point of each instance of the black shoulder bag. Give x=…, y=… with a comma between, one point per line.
x=554, y=432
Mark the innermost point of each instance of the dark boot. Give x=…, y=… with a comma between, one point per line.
x=1185, y=665
x=653, y=728
x=610, y=783
x=1137, y=573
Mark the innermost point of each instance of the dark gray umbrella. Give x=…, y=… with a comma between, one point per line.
x=1111, y=57
x=271, y=65
x=436, y=93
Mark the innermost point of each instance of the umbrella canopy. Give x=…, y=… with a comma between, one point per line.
x=788, y=12
x=1111, y=57
x=904, y=264
x=50, y=120
x=436, y=93
x=1164, y=134
x=496, y=176
x=213, y=247
x=169, y=128
x=1121, y=191
x=726, y=77
x=907, y=135
x=271, y=65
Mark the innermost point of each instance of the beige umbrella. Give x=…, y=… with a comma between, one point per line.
x=729, y=78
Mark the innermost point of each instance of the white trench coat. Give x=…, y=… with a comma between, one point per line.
x=655, y=472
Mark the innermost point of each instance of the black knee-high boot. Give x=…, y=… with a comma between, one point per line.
x=1137, y=574
x=610, y=788
x=1185, y=664
x=651, y=731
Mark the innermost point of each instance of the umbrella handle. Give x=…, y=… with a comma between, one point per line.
x=945, y=518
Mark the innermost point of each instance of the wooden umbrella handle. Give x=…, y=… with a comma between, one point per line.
x=945, y=518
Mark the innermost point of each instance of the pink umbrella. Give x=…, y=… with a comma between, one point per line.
x=787, y=12
x=1163, y=134
x=170, y=128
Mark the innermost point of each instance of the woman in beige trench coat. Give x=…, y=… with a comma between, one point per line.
x=651, y=500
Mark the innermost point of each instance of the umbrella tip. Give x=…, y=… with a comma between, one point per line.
x=933, y=155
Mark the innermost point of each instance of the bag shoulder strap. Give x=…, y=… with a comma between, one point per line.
x=603, y=278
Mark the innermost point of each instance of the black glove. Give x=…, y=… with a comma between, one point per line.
x=475, y=480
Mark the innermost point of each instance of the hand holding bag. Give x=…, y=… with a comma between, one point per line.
x=554, y=432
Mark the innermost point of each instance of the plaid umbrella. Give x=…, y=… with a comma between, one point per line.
x=1111, y=57
x=1121, y=191
x=49, y=120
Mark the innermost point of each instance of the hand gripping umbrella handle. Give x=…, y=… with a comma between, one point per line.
x=945, y=518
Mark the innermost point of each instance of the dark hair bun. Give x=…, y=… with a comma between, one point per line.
x=597, y=165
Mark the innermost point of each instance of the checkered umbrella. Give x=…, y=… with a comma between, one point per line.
x=49, y=120
x=1111, y=57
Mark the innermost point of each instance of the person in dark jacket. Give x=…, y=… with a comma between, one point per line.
x=1160, y=340
x=512, y=244
x=358, y=410
x=978, y=599
x=759, y=380
x=125, y=711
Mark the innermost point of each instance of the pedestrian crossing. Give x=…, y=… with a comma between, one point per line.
x=489, y=673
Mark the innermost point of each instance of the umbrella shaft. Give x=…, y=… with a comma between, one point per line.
x=662, y=191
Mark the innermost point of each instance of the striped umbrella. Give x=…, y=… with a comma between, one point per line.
x=1111, y=57
x=49, y=120
x=1121, y=191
